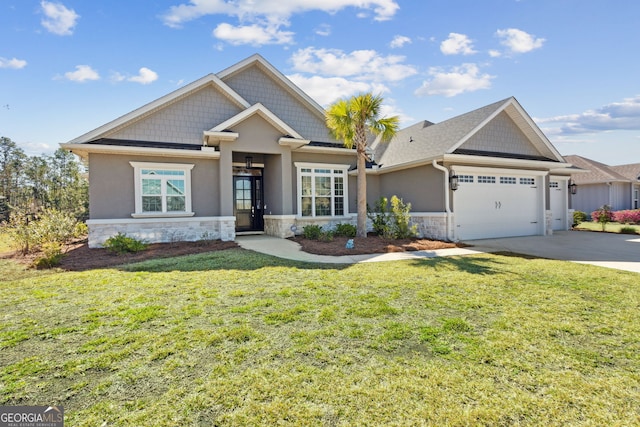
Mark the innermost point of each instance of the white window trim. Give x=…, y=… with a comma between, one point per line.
x=345, y=168
x=137, y=185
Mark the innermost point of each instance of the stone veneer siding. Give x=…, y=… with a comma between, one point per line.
x=163, y=230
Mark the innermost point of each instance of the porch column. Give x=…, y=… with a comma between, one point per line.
x=287, y=185
x=226, y=179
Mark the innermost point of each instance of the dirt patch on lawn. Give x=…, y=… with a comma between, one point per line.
x=370, y=245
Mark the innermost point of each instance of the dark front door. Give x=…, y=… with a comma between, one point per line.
x=248, y=206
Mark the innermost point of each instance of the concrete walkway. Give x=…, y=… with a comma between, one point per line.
x=617, y=251
x=284, y=248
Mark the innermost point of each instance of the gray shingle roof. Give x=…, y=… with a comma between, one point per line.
x=597, y=172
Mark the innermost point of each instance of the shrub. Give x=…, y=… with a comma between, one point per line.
x=122, y=244
x=345, y=230
x=312, y=232
x=602, y=215
x=54, y=226
x=20, y=230
x=579, y=217
x=380, y=217
x=628, y=230
x=51, y=255
x=400, y=228
x=627, y=217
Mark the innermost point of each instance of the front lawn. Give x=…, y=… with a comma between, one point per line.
x=238, y=338
x=611, y=227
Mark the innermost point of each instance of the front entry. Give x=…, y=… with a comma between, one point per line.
x=248, y=206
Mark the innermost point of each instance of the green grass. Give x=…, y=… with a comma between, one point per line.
x=238, y=338
x=611, y=227
x=5, y=243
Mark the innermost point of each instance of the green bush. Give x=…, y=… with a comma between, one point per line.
x=628, y=230
x=312, y=232
x=579, y=217
x=400, y=218
x=51, y=255
x=122, y=244
x=380, y=218
x=54, y=226
x=345, y=230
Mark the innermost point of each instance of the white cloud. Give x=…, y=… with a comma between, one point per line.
x=624, y=115
x=457, y=80
x=326, y=90
x=363, y=65
x=145, y=76
x=58, y=18
x=12, y=63
x=82, y=74
x=399, y=41
x=262, y=20
x=254, y=34
x=323, y=30
x=518, y=41
x=457, y=44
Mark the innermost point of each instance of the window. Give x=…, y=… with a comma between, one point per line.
x=554, y=184
x=322, y=190
x=162, y=189
x=487, y=179
x=507, y=180
x=465, y=178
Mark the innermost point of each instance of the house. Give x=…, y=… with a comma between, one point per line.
x=245, y=150
x=601, y=184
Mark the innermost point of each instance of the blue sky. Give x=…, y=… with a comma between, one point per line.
x=68, y=67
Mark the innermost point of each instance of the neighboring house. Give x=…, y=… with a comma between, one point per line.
x=616, y=186
x=245, y=150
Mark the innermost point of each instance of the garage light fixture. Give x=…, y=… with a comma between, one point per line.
x=248, y=162
x=453, y=182
x=573, y=187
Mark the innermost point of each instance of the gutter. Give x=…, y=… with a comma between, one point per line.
x=435, y=164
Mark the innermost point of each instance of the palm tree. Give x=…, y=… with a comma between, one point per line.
x=351, y=121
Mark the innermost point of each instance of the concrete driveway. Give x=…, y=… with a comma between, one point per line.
x=619, y=251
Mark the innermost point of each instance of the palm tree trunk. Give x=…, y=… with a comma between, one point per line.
x=362, y=192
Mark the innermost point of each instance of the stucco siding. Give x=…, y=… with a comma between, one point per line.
x=182, y=121
x=111, y=185
x=422, y=186
x=501, y=135
x=255, y=86
x=257, y=135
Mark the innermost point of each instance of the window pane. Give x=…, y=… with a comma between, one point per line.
x=175, y=203
x=306, y=206
x=323, y=186
x=151, y=204
x=323, y=206
x=175, y=186
x=338, y=185
x=306, y=185
x=151, y=186
x=338, y=206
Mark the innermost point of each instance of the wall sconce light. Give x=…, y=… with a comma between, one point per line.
x=573, y=187
x=248, y=162
x=453, y=182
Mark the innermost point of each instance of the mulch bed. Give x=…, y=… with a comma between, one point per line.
x=79, y=257
x=370, y=245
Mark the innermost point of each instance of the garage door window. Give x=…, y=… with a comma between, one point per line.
x=527, y=181
x=554, y=184
x=465, y=178
x=487, y=179
x=507, y=180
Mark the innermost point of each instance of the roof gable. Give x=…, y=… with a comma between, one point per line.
x=263, y=112
x=425, y=141
x=210, y=80
x=257, y=81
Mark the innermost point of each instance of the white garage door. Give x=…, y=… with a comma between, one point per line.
x=489, y=204
x=558, y=203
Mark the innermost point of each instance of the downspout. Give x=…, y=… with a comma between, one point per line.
x=446, y=196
